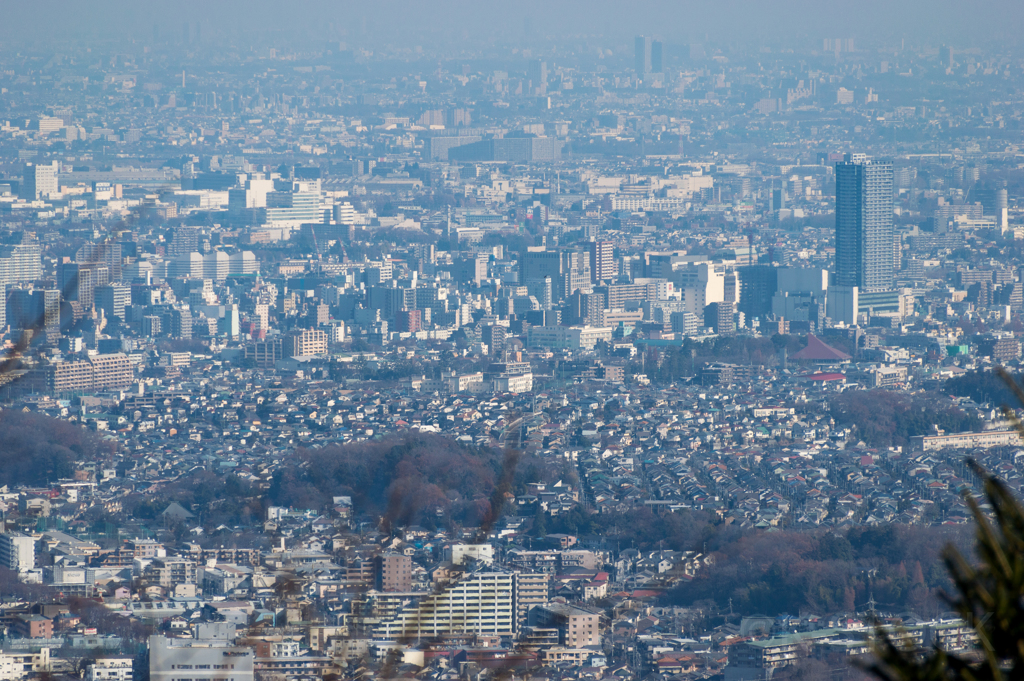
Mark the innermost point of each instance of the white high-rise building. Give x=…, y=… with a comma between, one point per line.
x=39, y=181
x=243, y=262
x=299, y=204
x=864, y=224
x=244, y=204
x=483, y=603
x=344, y=214
x=17, y=552
x=20, y=263
x=700, y=285
x=216, y=265
x=187, y=266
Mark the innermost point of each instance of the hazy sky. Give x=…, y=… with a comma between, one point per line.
x=467, y=22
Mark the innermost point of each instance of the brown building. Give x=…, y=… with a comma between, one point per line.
x=322, y=314
x=393, y=572
x=66, y=377
x=408, y=321
x=111, y=372
x=32, y=626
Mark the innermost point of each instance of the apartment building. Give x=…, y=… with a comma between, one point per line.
x=577, y=627
x=568, y=337
x=171, y=659
x=100, y=372
x=305, y=342
x=482, y=602
x=532, y=589
x=110, y=669
x=16, y=665
x=991, y=438
x=171, y=571
x=17, y=552
x=393, y=572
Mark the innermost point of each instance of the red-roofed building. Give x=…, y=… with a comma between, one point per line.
x=641, y=594
x=676, y=663
x=817, y=351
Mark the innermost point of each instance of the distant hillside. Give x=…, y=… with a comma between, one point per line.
x=404, y=478
x=36, y=449
x=827, y=571
x=983, y=386
x=886, y=419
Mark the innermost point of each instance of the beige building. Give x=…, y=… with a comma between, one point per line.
x=110, y=669
x=577, y=627
x=885, y=376
x=532, y=589
x=100, y=372
x=574, y=656
x=171, y=571
x=484, y=603
x=992, y=438
x=568, y=337
x=16, y=665
x=305, y=342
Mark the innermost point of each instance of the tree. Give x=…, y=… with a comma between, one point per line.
x=37, y=449
x=988, y=595
x=988, y=598
x=540, y=523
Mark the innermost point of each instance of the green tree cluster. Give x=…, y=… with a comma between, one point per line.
x=988, y=596
x=885, y=419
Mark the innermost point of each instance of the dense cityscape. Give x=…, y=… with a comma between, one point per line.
x=329, y=357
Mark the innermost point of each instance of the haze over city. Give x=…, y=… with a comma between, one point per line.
x=452, y=340
x=451, y=25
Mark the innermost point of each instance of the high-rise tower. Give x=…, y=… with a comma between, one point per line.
x=864, y=224
x=39, y=181
x=642, y=55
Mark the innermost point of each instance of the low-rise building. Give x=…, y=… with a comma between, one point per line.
x=110, y=669
x=171, y=659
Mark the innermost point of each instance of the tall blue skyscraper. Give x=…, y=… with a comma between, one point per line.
x=864, y=224
x=657, y=58
x=642, y=55
x=647, y=55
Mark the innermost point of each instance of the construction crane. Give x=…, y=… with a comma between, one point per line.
x=316, y=247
